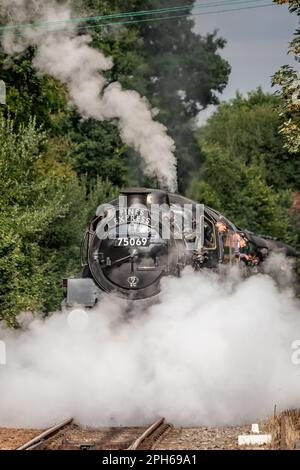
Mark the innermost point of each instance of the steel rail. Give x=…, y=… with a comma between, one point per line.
x=146, y=434
x=33, y=443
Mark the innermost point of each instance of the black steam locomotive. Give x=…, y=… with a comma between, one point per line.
x=147, y=233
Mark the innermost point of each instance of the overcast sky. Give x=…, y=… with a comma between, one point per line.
x=257, y=43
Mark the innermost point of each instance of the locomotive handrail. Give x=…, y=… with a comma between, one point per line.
x=84, y=258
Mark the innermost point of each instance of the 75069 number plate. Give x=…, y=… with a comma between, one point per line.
x=132, y=241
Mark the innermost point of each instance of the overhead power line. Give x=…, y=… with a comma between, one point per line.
x=123, y=15
x=102, y=20
x=176, y=16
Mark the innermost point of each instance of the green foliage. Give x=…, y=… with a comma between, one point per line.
x=240, y=192
x=179, y=73
x=248, y=129
x=98, y=191
x=98, y=151
x=185, y=70
x=31, y=95
x=289, y=111
x=287, y=78
x=44, y=210
x=26, y=212
x=60, y=248
x=246, y=172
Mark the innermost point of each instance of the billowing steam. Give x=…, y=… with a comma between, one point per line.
x=211, y=351
x=70, y=58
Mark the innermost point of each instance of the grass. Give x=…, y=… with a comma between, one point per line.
x=285, y=429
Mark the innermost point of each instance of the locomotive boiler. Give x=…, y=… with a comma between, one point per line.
x=145, y=234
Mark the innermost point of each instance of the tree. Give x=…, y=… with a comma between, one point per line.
x=185, y=71
x=289, y=81
x=246, y=172
x=98, y=151
x=248, y=129
x=43, y=211
x=240, y=192
x=179, y=71
x=31, y=95
x=287, y=78
x=25, y=215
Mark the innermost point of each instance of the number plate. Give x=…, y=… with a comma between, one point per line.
x=132, y=241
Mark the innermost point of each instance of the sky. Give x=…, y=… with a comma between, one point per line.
x=257, y=44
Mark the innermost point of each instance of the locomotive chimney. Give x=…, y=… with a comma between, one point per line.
x=145, y=197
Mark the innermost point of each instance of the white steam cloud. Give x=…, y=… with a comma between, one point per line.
x=71, y=59
x=210, y=352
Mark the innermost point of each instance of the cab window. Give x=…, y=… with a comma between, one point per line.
x=209, y=235
x=228, y=239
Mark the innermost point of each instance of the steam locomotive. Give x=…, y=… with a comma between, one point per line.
x=145, y=234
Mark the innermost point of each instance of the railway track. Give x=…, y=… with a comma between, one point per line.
x=67, y=436
x=285, y=430
x=39, y=441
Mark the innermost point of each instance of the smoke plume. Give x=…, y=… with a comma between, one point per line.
x=70, y=58
x=211, y=351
